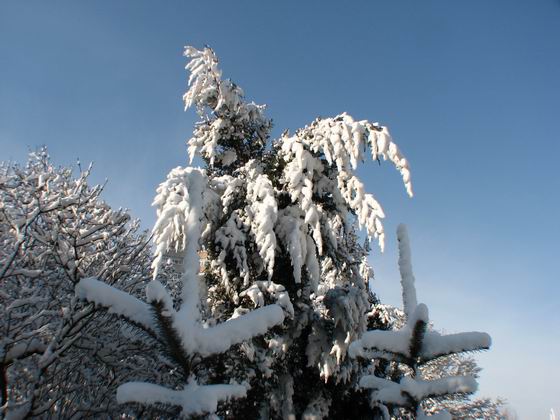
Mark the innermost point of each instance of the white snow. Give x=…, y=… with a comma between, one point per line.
x=193, y=398
x=156, y=292
x=407, y=276
x=438, y=345
x=389, y=392
x=263, y=212
x=341, y=140
x=398, y=345
x=116, y=301
x=218, y=339
x=420, y=389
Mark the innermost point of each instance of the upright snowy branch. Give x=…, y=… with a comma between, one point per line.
x=407, y=276
x=180, y=212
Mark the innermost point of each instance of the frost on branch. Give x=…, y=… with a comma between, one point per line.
x=58, y=356
x=414, y=345
x=181, y=214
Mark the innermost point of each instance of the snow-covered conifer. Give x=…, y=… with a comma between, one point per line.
x=273, y=273
x=416, y=376
x=460, y=406
x=277, y=222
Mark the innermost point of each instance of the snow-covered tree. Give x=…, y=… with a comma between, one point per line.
x=282, y=226
x=423, y=370
x=58, y=357
x=273, y=274
x=281, y=290
x=278, y=223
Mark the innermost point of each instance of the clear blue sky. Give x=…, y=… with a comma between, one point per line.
x=470, y=90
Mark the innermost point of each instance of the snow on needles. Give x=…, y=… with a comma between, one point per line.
x=263, y=212
x=414, y=345
x=339, y=141
x=117, y=302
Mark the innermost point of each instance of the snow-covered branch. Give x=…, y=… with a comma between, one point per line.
x=193, y=399
x=117, y=302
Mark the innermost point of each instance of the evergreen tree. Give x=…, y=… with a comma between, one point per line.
x=415, y=375
x=281, y=226
x=460, y=406
x=273, y=275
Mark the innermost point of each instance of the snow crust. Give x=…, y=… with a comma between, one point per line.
x=436, y=345
x=218, y=339
x=194, y=399
x=116, y=301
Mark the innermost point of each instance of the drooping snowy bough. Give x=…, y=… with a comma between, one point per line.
x=413, y=346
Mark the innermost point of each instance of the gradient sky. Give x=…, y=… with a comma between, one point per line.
x=470, y=91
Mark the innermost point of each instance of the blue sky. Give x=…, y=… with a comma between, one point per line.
x=470, y=91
